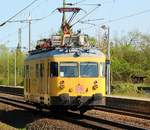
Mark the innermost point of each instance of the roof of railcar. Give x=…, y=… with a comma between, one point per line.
x=63, y=53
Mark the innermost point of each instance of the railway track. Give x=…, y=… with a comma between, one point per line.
x=72, y=117
x=18, y=91
x=122, y=112
x=17, y=103
x=98, y=123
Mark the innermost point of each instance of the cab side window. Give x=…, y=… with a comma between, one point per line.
x=53, y=69
x=102, y=69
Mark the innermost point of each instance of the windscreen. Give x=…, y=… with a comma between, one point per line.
x=88, y=69
x=69, y=69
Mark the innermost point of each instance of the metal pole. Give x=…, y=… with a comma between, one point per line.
x=108, y=61
x=29, y=18
x=15, y=68
x=63, y=18
x=63, y=22
x=29, y=35
x=8, y=68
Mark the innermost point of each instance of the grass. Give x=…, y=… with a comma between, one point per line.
x=129, y=89
x=4, y=126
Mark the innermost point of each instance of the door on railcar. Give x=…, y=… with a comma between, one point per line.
x=27, y=79
x=32, y=79
x=53, y=78
x=41, y=73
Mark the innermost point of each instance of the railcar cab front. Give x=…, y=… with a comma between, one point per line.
x=58, y=77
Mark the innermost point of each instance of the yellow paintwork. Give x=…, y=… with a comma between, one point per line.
x=51, y=86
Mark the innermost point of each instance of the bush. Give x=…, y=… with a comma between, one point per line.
x=127, y=89
x=124, y=88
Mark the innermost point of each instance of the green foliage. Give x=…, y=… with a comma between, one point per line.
x=130, y=57
x=123, y=88
x=7, y=66
x=92, y=41
x=128, y=89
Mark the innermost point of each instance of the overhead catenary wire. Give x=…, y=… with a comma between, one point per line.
x=18, y=12
x=82, y=22
x=37, y=19
x=42, y=18
x=88, y=4
x=122, y=18
x=24, y=21
x=76, y=3
x=98, y=5
x=89, y=20
x=81, y=1
x=129, y=16
x=37, y=6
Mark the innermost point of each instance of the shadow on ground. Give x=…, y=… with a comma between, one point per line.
x=22, y=118
x=18, y=118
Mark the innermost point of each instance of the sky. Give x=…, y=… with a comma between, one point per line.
x=109, y=10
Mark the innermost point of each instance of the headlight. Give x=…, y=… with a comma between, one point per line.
x=95, y=86
x=61, y=85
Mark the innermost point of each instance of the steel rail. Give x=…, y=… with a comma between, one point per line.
x=122, y=112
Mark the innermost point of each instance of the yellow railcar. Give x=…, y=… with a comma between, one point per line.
x=59, y=78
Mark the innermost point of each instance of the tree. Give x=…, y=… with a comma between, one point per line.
x=7, y=66
x=92, y=41
x=130, y=55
